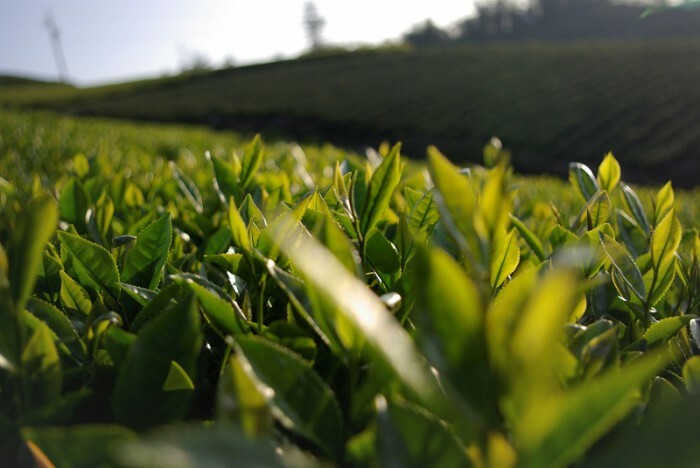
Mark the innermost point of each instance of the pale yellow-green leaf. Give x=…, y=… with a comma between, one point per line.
x=609, y=173
x=664, y=202
x=665, y=239
x=239, y=231
x=177, y=379
x=505, y=257
x=561, y=428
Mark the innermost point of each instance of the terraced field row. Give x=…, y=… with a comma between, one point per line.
x=549, y=103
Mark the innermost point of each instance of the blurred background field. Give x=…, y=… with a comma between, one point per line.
x=555, y=80
x=38, y=149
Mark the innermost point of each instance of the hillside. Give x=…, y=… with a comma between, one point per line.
x=549, y=103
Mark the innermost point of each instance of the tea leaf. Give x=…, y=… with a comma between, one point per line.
x=665, y=329
x=144, y=264
x=73, y=297
x=609, y=173
x=174, y=335
x=303, y=401
x=251, y=161
x=79, y=445
x=635, y=207
x=505, y=258
x=35, y=227
x=41, y=368
x=94, y=266
x=380, y=190
x=532, y=241
x=583, y=179
x=407, y=436
x=559, y=430
x=664, y=202
x=74, y=203
x=665, y=239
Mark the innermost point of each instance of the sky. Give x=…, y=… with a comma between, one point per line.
x=110, y=41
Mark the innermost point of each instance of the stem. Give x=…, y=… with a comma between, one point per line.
x=261, y=301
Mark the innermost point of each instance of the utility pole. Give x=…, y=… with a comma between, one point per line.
x=55, y=36
x=314, y=24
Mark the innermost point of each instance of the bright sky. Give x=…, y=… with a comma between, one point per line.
x=106, y=41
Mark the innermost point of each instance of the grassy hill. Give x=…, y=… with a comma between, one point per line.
x=549, y=103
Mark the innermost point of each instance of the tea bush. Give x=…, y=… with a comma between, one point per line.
x=301, y=307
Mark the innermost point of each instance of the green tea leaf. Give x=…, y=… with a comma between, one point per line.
x=582, y=178
x=532, y=241
x=79, y=445
x=665, y=239
x=495, y=201
x=303, y=401
x=424, y=215
x=561, y=429
x=664, y=440
x=200, y=445
x=118, y=342
x=665, y=329
x=504, y=258
x=163, y=299
x=93, y=265
x=635, y=207
x=456, y=200
x=73, y=297
x=174, y=335
x=177, y=379
x=380, y=190
x=251, y=161
x=659, y=286
x=450, y=329
x=599, y=209
x=365, y=312
x=226, y=319
x=35, y=226
x=625, y=266
x=239, y=231
x=188, y=188
x=383, y=256
x=664, y=202
x=408, y=436
x=609, y=173
x=691, y=375
x=144, y=264
x=41, y=368
x=74, y=203
x=240, y=400
x=225, y=178
x=58, y=323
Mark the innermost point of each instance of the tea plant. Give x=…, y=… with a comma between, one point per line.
x=265, y=308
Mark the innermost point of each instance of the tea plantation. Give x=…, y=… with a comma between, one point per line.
x=172, y=296
x=552, y=103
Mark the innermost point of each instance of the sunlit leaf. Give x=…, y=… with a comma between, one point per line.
x=504, y=258
x=144, y=264
x=560, y=429
x=94, y=266
x=381, y=188
x=582, y=178
x=609, y=173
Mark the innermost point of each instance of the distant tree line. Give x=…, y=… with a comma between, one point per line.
x=560, y=20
